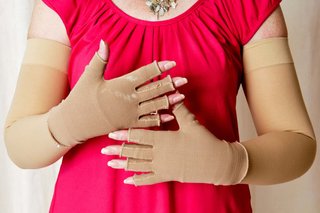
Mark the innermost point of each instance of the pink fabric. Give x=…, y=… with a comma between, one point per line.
x=206, y=43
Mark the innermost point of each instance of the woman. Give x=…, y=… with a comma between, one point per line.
x=216, y=45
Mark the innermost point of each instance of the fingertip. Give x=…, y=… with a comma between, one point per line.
x=113, y=135
x=129, y=181
x=176, y=98
x=166, y=118
x=166, y=65
x=104, y=151
x=178, y=82
x=103, y=51
x=121, y=135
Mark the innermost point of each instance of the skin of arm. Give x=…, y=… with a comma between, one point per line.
x=45, y=23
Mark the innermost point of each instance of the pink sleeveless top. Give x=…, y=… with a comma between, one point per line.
x=206, y=42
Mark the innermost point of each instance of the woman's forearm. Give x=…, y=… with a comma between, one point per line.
x=30, y=144
x=278, y=157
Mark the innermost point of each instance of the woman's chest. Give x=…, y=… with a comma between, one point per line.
x=197, y=40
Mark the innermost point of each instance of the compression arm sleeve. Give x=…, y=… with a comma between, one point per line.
x=285, y=148
x=42, y=84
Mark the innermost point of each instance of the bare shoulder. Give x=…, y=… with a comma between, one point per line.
x=46, y=23
x=274, y=26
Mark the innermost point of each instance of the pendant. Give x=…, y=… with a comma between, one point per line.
x=160, y=7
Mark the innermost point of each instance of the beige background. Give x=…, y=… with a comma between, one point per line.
x=27, y=191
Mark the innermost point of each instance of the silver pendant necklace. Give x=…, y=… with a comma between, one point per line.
x=160, y=7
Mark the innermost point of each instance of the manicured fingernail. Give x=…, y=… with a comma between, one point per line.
x=180, y=82
x=108, y=151
x=169, y=65
x=104, y=151
x=102, y=45
x=102, y=51
x=113, y=163
x=113, y=135
x=128, y=181
x=178, y=98
x=118, y=135
x=168, y=118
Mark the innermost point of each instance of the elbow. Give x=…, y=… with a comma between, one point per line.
x=21, y=155
x=310, y=152
x=24, y=163
x=307, y=156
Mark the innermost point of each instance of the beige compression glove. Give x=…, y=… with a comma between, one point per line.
x=284, y=149
x=191, y=154
x=43, y=84
x=96, y=106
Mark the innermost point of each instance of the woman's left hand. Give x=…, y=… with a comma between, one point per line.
x=191, y=154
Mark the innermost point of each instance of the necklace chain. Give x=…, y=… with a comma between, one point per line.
x=160, y=7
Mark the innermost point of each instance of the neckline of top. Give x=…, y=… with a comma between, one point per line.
x=156, y=23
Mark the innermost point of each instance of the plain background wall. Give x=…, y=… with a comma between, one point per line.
x=30, y=191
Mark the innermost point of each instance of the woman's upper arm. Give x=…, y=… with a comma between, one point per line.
x=274, y=26
x=42, y=82
x=272, y=88
x=47, y=24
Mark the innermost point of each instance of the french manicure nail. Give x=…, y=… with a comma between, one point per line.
x=168, y=118
x=181, y=82
x=128, y=181
x=178, y=98
x=108, y=151
x=113, y=135
x=104, y=151
x=112, y=164
x=169, y=65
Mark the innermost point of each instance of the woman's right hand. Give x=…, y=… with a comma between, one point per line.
x=97, y=106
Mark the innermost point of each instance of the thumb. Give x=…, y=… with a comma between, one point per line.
x=183, y=115
x=103, y=51
x=97, y=65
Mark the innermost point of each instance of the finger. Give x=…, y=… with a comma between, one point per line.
x=154, y=105
x=175, y=98
x=103, y=51
x=148, y=72
x=136, y=151
x=129, y=181
x=166, y=65
x=121, y=135
x=145, y=179
x=155, y=89
x=178, y=81
x=117, y=164
x=149, y=121
x=166, y=118
x=153, y=120
x=138, y=165
x=97, y=65
x=111, y=150
x=141, y=136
